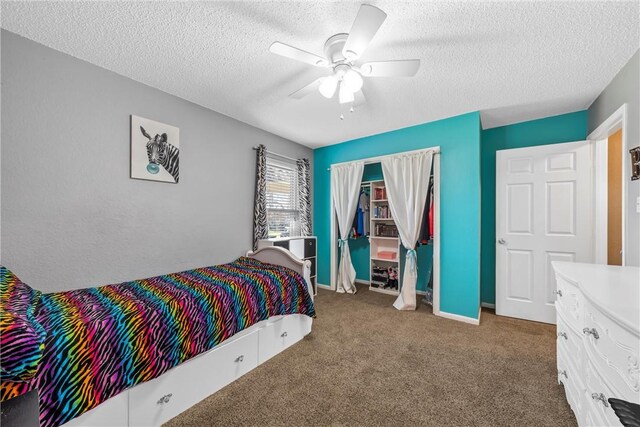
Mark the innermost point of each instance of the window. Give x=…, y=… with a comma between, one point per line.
x=283, y=215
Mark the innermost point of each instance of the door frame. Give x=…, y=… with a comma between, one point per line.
x=615, y=122
x=436, y=222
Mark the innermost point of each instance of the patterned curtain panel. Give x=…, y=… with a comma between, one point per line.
x=260, y=230
x=304, y=198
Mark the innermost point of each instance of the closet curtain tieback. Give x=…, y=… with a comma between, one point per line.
x=412, y=262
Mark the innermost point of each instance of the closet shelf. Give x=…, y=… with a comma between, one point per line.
x=379, y=200
x=395, y=261
x=381, y=219
x=383, y=237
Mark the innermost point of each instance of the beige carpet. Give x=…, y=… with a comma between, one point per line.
x=367, y=364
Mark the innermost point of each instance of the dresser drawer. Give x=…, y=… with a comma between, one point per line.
x=569, y=301
x=613, y=351
x=282, y=333
x=156, y=401
x=596, y=395
x=569, y=341
x=570, y=378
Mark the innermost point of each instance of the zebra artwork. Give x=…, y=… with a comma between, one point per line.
x=155, y=158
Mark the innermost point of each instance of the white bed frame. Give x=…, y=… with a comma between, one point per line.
x=157, y=401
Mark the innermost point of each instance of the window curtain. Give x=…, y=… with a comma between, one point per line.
x=304, y=198
x=406, y=177
x=260, y=229
x=345, y=189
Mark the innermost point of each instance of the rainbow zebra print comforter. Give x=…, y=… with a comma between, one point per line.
x=102, y=341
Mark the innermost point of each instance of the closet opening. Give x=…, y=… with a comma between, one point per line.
x=377, y=253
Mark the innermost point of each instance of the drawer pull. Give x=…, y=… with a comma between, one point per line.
x=284, y=334
x=558, y=292
x=601, y=398
x=591, y=331
x=563, y=335
x=563, y=372
x=165, y=399
x=240, y=358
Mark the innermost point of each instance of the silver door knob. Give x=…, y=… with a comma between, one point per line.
x=240, y=358
x=502, y=241
x=558, y=292
x=284, y=334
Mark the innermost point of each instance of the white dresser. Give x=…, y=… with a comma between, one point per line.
x=598, y=327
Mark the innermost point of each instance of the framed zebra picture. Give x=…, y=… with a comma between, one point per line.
x=155, y=150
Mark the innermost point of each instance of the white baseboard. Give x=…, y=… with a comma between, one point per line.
x=321, y=286
x=459, y=318
x=362, y=282
x=488, y=305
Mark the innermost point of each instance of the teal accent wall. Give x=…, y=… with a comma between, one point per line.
x=551, y=130
x=459, y=141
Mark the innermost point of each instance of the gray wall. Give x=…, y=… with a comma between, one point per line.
x=625, y=87
x=72, y=217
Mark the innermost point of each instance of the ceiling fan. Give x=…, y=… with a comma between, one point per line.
x=342, y=52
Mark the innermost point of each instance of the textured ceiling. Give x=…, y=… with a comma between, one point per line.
x=513, y=61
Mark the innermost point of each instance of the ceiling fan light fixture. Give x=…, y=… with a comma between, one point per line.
x=345, y=95
x=352, y=80
x=328, y=86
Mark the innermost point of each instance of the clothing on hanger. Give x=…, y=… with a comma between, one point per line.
x=426, y=229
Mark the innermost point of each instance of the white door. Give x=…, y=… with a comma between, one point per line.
x=543, y=214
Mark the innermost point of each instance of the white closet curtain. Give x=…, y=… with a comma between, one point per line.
x=406, y=177
x=345, y=186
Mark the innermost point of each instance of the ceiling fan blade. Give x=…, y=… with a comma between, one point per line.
x=297, y=54
x=366, y=25
x=310, y=88
x=404, y=68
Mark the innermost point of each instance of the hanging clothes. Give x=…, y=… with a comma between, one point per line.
x=363, y=213
x=426, y=229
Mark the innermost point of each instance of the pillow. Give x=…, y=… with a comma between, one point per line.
x=15, y=295
x=21, y=346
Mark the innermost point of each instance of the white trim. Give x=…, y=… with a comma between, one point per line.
x=378, y=159
x=487, y=305
x=616, y=121
x=321, y=286
x=436, y=221
x=436, y=236
x=600, y=196
x=459, y=318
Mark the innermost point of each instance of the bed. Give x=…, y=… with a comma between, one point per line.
x=139, y=353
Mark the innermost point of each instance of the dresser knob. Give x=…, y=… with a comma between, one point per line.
x=240, y=358
x=563, y=372
x=591, y=331
x=563, y=335
x=558, y=292
x=601, y=398
x=165, y=399
x=284, y=334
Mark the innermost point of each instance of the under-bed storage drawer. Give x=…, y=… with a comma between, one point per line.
x=155, y=402
x=282, y=333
